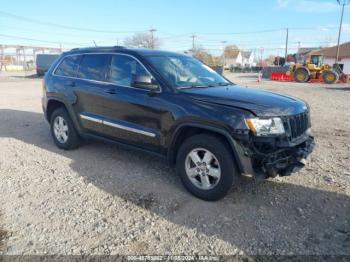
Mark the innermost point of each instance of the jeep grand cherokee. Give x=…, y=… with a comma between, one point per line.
x=174, y=106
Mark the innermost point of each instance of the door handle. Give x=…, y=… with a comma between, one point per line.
x=111, y=91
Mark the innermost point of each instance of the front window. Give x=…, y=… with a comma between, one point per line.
x=186, y=72
x=123, y=68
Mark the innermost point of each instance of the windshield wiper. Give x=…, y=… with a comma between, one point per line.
x=224, y=84
x=195, y=86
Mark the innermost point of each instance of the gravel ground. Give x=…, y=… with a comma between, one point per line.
x=103, y=199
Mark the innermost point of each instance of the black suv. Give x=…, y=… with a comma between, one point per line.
x=174, y=106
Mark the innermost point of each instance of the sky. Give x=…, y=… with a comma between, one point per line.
x=251, y=25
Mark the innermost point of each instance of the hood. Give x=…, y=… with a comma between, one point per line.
x=261, y=103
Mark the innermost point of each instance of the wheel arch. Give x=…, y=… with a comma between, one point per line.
x=53, y=103
x=185, y=130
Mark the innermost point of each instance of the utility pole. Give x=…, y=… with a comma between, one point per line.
x=152, y=37
x=193, y=42
x=223, y=53
x=286, y=52
x=343, y=3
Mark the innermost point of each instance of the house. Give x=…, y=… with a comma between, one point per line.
x=304, y=53
x=233, y=58
x=239, y=58
x=329, y=55
x=248, y=59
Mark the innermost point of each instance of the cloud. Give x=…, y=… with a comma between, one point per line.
x=308, y=6
x=282, y=3
x=346, y=28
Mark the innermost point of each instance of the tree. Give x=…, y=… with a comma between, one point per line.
x=280, y=61
x=205, y=57
x=145, y=40
x=291, y=58
x=231, y=51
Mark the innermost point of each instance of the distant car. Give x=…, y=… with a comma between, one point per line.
x=43, y=62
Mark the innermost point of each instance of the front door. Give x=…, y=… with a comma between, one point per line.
x=130, y=116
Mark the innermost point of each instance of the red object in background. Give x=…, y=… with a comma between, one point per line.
x=280, y=76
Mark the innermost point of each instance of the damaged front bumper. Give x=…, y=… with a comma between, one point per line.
x=269, y=157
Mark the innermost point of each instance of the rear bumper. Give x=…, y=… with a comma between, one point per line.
x=280, y=159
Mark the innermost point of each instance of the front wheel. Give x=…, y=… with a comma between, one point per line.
x=206, y=167
x=301, y=75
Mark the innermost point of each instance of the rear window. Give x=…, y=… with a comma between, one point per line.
x=94, y=67
x=68, y=66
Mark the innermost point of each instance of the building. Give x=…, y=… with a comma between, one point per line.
x=233, y=58
x=304, y=53
x=329, y=55
x=248, y=59
x=240, y=58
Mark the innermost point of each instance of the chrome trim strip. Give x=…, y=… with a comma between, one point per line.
x=93, y=119
x=108, y=123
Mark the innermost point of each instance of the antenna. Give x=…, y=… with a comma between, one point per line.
x=94, y=43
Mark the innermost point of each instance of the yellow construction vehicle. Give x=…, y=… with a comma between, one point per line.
x=314, y=70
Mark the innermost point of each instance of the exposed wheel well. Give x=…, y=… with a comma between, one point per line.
x=189, y=131
x=52, y=106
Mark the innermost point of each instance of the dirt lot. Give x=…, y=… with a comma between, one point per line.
x=102, y=199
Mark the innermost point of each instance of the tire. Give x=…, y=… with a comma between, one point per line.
x=301, y=75
x=222, y=163
x=71, y=139
x=330, y=76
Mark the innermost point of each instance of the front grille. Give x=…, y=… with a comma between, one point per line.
x=296, y=125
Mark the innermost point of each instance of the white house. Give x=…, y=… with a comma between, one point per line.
x=248, y=59
x=329, y=55
x=240, y=58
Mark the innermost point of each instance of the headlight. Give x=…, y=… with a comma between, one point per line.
x=266, y=127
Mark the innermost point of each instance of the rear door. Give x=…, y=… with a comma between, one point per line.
x=92, y=90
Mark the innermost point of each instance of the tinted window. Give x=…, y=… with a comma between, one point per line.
x=123, y=68
x=94, y=67
x=68, y=66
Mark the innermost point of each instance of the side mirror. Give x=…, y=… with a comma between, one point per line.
x=144, y=81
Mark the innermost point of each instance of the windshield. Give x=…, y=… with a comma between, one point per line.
x=186, y=72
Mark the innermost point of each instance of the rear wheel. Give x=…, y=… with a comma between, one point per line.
x=330, y=76
x=301, y=75
x=63, y=131
x=206, y=167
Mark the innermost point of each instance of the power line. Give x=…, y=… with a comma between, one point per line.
x=243, y=33
x=39, y=40
x=64, y=26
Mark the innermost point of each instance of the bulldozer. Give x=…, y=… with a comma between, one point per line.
x=315, y=69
